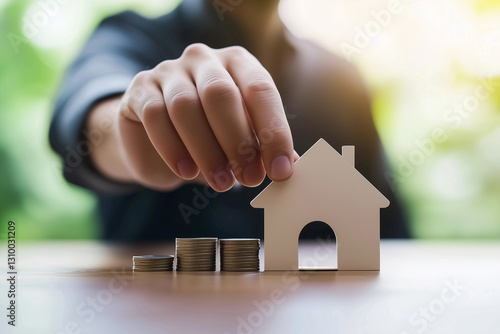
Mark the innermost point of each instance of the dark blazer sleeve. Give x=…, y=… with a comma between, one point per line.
x=120, y=47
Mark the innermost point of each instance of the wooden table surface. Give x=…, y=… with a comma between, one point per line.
x=423, y=287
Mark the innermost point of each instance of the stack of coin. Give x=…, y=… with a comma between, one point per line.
x=239, y=254
x=196, y=254
x=153, y=262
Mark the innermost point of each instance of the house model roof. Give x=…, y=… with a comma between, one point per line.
x=322, y=171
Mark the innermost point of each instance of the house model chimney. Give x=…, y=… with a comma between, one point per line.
x=348, y=154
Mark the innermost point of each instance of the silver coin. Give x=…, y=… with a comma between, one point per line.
x=149, y=257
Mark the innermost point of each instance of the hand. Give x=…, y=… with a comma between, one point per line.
x=217, y=112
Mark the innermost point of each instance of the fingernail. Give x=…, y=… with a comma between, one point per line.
x=253, y=174
x=281, y=167
x=223, y=178
x=187, y=168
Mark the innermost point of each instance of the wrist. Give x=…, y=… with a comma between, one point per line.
x=101, y=123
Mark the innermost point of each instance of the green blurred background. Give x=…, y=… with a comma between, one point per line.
x=433, y=68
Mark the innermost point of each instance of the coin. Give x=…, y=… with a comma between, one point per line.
x=239, y=254
x=196, y=254
x=152, y=262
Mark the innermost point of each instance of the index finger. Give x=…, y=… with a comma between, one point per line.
x=265, y=109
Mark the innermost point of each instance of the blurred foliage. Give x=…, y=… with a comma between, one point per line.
x=434, y=71
x=423, y=63
x=39, y=39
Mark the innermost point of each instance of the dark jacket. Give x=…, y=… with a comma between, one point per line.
x=122, y=46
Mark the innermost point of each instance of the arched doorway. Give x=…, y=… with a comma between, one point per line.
x=317, y=247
